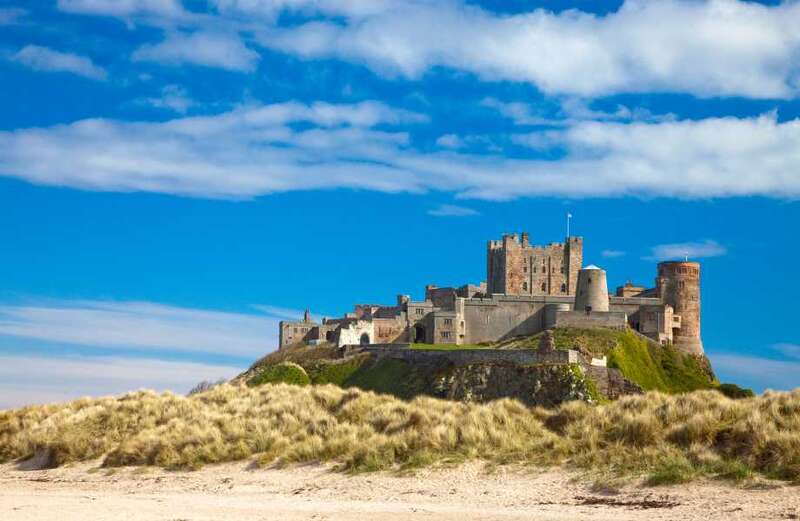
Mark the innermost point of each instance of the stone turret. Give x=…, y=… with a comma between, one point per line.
x=678, y=285
x=592, y=291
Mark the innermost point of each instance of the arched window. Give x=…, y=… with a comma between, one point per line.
x=544, y=286
x=563, y=288
x=524, y=286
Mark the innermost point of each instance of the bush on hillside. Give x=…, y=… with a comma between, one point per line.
x=735, y=392
x=284, y=372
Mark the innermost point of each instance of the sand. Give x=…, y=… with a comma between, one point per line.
x=314, y=492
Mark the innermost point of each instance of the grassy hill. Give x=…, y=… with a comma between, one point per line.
x=647, y=364
x=651, y=366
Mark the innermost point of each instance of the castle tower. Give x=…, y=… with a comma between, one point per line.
x=307, y=316
x=678, y=285
x=592, y=290
x=514, y=266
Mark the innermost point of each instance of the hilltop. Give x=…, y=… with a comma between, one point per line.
x=637, y=363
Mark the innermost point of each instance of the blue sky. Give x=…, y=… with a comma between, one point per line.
x=178, y=176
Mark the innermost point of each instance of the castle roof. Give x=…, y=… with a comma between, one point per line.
x=592, y=267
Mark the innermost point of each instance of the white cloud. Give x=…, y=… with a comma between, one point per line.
x=44, y=59
x=174, y=98
x=450, y=141
x=790, y=350
x=270, y=9
x=611, y=254
x=256, y=150
x=27, y=380
x=142, y=325
x=11, y=15
x=123, y=8
x=759, y=373
x=707, y=48
x=210, y=49
x=520, y=113
x=280, y=312
x=703, y=47
x=692, y=250
x=451, y=210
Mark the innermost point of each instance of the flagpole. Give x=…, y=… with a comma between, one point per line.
x=569, y=216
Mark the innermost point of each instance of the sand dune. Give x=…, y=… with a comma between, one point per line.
x=240, y=492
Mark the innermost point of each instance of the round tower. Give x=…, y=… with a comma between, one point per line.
x=592, y=291
x=678, y=285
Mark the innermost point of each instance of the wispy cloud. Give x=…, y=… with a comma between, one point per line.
x=44, y=59
x=142, y=325
x=11, y=15
x=221, y=50
x=26, y=380
x=450, y=141
x=611, y=254
x=451, y=210
x=124, y=8
x=173, y=97
x=758, y=373
x=255, y=150
x=642, y=47
x=693, y=250
x=280, y=312
x=788, y=350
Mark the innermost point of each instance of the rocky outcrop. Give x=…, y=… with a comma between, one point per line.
x=547, y=385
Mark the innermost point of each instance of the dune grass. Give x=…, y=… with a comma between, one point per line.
x=671, y=439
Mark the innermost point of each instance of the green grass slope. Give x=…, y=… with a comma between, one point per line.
x=322, y=367
x=653, y=367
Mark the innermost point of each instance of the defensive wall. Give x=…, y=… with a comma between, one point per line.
x=474, y=356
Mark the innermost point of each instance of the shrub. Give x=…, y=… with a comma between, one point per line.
x=205, y=385
x=671, y=471
x=284, y=372
x=735, y=392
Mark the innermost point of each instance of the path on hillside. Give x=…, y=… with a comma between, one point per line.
x=237, y=493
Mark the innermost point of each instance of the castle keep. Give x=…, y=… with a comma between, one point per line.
x=528, y=289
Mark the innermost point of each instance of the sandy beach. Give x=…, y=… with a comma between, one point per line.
x=240, y=492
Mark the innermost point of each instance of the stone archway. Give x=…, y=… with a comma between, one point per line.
x=364, y=340
x=419, y=334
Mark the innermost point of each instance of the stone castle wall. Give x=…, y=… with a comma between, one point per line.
x=474, y=356
x=517, y=267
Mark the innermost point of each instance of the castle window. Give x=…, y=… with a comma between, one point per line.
x=448, y=322
x=544, y=286
x=534, y=269
x=524, y=286
x=562, y=269
x=420, y=311
x=524, y=269
x=563, y=288
x=445, y=334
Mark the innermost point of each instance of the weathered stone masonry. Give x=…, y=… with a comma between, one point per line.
x=528, y=289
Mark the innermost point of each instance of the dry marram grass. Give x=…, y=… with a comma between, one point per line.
x=674, y=438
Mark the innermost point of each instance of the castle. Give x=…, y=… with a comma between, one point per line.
x=528, y=289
